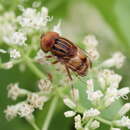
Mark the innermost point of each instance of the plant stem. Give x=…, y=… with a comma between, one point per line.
x=50, y=113
x=89, y=122
x=33, y=124
x=104, y=121
x=33, y=67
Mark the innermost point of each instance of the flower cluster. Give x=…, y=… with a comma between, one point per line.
x=20, y=34
x=91, y=113
x=116, y=60
x=93, y=96
x=17, y=38
x=34, y=100
x=14, y=54
x=91, y=44
x=14, y=91
x=102, y=91
x=123, y=122
x=31, y=19
x=7, y=26
x=16, y=31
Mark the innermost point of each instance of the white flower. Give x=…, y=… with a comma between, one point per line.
x=44, y=13
x=95, y=95
x=7, y=26
x=10, y=112
x=91, y=113
x=116, y=60
x=78, y=124
x=8, y=65
x=114, y=80
x=18, y=38
x=90, y=41
x=86, y=129
x=90, y=85
x=33, y=19
x=123, y=91
x=24, y=109
x=69, y=113
x=77, y=118
x=40, y=54
x=125, y=122
x=45, y=86
x=26, y=19
x=57, y=28
x=14, y=91
x=41, y=57
x=3, y=51
x=115, y=129
x=14, y=54
x=68, y=102
x=9, y=16
x=93, y=54
x=102, y=80
x=95, y=124
x=109, y=78
x=124, y=109
x=30, y=12
x=36, y=101
x=111, y=96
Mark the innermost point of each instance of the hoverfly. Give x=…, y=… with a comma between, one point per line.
x=66, y=53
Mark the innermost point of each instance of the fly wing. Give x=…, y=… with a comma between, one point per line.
x=72, y=49
x=63, y=48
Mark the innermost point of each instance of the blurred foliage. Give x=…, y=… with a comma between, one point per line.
x=115, y=14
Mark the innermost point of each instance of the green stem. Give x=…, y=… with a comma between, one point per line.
x=89, y=122
x=50, y=113
x=104, y=121
x=33, y=124
x=33, y=67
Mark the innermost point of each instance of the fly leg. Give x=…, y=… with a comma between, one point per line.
x=55, y=62
x=72, y=87
x=80, y=79
x=42, y=60
x=49, y=56
x=68, y=72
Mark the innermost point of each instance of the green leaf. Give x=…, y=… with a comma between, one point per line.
x=111, y=112
x=116, y=14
